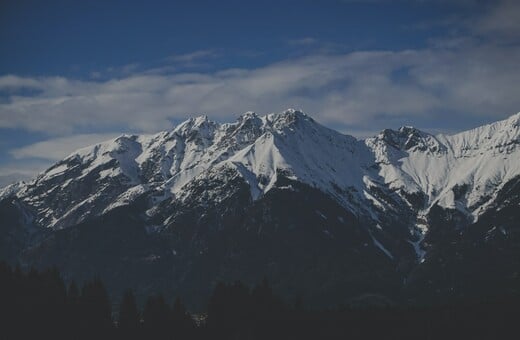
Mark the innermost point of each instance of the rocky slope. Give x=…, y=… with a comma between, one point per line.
x=277, y=195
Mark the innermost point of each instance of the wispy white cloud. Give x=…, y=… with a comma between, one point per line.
x=58, y=148
x=473, y=75
x=303, y=41
x=31, y=159
x=12, y=82
x=502, y=21
x=21, y=170
x=193, y=56
x=11, y=178
x=354, y=89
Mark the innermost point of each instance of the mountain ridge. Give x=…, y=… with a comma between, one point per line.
x=278, y=195
x=257, y=146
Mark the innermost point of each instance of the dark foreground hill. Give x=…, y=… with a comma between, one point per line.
x=403, y=216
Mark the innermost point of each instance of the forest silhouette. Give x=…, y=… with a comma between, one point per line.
x=39, y=304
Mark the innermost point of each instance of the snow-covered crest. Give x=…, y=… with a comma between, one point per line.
x=480, y=161
x=369, y=178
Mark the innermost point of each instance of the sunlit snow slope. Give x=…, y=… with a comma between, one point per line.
x=396, y=175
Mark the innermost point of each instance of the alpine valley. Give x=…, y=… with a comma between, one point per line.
x=402, y=216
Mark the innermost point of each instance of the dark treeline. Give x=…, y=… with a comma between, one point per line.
x=39, y=304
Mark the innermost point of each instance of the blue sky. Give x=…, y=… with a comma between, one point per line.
x=73, y=38
x=73, y=73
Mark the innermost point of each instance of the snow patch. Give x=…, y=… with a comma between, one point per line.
x=321, y=214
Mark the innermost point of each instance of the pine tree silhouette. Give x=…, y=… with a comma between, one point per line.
x=156, y=316
x=36, y=305
x=182, y=322
x=95, y=309
x=129, y=318
x=72, y=318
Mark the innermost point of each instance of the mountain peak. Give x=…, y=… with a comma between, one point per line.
x=409, y=130
x=292, y=113
x=200, y=120
x=397, y=193
x=514, y=119
x=409, y=139
x=248, y=115
x=249, y=119
x=199, y=125
x=287, y=118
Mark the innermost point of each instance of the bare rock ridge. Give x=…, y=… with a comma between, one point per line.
x=395, y=191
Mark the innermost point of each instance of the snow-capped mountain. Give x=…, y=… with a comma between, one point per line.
x=98, y=178
x=464, y=171
x=476, y=163
x=393, y=186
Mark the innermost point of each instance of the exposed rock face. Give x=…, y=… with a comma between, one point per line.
x=322, y=214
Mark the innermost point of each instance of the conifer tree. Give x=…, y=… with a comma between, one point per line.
x=182, y=323
x=96, y=314
x=129, y=318
x=156, y=316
